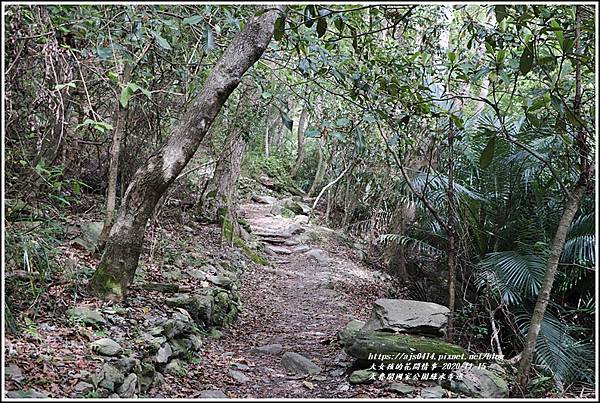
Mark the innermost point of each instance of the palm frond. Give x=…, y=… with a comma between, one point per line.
x=556, y=350
x=513, y=274
x=418, y=244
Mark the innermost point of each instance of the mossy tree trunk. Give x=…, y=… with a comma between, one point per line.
x=120, y=259
x=217, y=202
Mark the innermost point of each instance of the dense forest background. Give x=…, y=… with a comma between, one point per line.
x=452, y=146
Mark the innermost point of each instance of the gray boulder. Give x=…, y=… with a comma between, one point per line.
x=164, y=353
x=83, y=387
x=407, y=316
x=14, y=373
x=361, y=376
x=317, y=254
x=221, y=281
x=199, y=306
x=106, y=346
x=238, y=376
x=87, y=316
x=401, y=388
x=347, y=335
x=129, y=386
x=433, y=392
x=213, y=394
x=175, y=367
x=109, y=377
x=479, y=382
x=299, y=364
x=24, y=394
x=392, y=344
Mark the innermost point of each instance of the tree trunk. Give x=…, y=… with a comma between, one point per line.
x=121, y=255
x=583, y=183
x=320, y=171
x=300, y=157
x=544, y=294
x=217, y=203
x=451, y=236
x=113, y=170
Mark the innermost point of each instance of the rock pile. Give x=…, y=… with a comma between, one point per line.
x=399, y=328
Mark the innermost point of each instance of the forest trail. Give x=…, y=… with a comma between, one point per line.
x=299, y=302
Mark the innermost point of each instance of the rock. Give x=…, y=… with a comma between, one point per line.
x=181, y=345
x=301, y=219
x=268, y=349
x=23, y=394
x=392, y=344
x=277, y=250
x=114, y=396
x=347, y=335
x=286, y=213
x=264, y=199
x=150, y=343
x=299, y=364
x=164, y=353
x=161, y=287
x=295, y=207
x=129, y=386
x=213, y=394
x=401, y=388
x=199, y=306
x=317, y=254
x=146, y=375
x=301, y=249
x=407, y=316
x=14, y=373
x=197, y=274
x=175, y=367
x=479, y=382
x=195, y=341
x=90, y=231
x=433, y=392
x=238, y=376
x=107, y=347
x=220, y=281
x=361, y=376
x=109, y=377
x=215, y=334
x=87, y=316
x=128, y=364
x=83, y=387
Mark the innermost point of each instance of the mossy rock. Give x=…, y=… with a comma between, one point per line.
x=287, y=213
x=392, y=344
x=349, y=332
x=199, y=306
x=361, y=376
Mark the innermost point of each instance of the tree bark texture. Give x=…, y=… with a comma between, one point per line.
x=217, y=203
x=300, y=157
x=123, y=248
x=320, y=171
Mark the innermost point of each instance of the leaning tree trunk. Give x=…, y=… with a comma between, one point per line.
x=121, y=255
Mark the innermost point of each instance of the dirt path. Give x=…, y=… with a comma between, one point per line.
x=296, y=302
